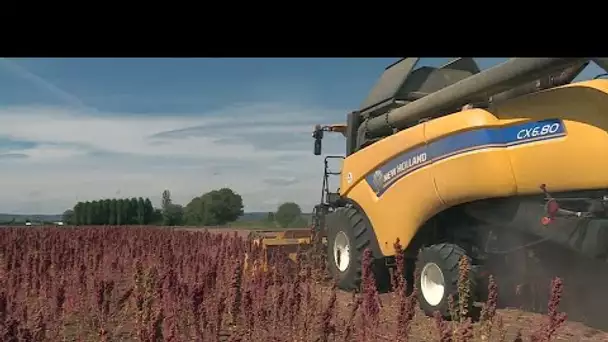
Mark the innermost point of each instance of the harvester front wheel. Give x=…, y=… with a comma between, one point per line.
x=438, y=280
x=348, y=235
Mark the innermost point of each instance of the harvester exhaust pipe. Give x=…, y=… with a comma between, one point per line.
x=514, y=72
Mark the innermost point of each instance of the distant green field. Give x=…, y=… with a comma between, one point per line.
x=249, y=221
x=260, y=225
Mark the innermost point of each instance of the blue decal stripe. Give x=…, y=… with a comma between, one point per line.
x=405, y=163
x=531, y=140
x=470, y=149
x=419, y=166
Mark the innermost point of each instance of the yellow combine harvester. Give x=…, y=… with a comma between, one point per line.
x=455, y=162
x=452, y=160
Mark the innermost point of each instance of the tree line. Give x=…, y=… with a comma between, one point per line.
x=214, y=208
x=121, y=211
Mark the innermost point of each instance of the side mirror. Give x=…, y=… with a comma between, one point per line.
x=318, y=136
x=317, y=147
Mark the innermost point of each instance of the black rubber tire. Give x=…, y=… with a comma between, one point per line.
x=357, y=230
x=446, y=256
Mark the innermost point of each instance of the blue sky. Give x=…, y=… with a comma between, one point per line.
x=82, y=129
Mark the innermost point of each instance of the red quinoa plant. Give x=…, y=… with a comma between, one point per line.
x=161, y=284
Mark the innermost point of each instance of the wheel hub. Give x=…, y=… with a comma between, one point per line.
x=341, y=251
x=432, y=284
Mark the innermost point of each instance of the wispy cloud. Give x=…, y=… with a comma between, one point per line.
x=281, y=181
x=263, y=151
x=68, y=97
x=5, y=156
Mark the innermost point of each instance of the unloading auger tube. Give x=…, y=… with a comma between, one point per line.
x=481, y=86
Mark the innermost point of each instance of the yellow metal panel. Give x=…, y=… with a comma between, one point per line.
x=400, y=210
x=284, y=242
x=577, y=161
x=467, y=176
x=459, y=122
x=474, y=175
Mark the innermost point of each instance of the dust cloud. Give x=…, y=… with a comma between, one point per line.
x=524, y=280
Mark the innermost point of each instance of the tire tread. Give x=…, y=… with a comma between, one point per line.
x=449, y=256
x=360, y=231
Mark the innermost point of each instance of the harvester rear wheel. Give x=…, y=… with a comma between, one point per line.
x=347, y=238
x=439, y=272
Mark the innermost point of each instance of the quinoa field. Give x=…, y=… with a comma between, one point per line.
x=162, y=284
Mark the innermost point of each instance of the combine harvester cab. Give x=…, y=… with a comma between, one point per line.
x=450, y=160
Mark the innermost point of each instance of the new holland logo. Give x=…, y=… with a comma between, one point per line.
x=378, y=179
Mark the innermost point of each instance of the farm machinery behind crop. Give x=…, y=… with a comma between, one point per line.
x=288, y=241
x=291, y=240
